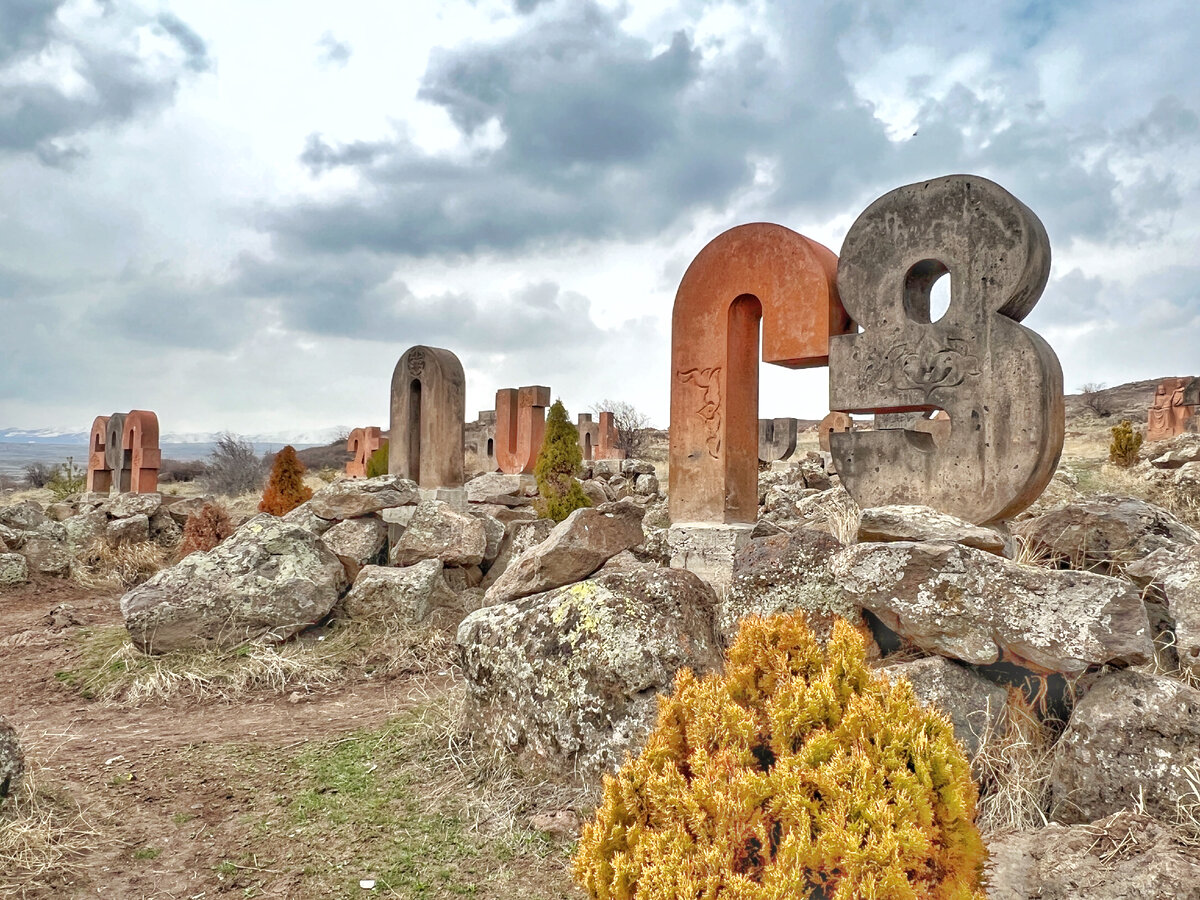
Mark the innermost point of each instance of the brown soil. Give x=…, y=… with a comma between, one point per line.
x=167, y=780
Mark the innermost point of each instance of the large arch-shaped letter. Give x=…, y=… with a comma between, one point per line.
x=429, y=405
x=140, y=443
x=520, y=427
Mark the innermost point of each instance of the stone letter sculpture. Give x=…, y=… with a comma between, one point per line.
x=362, y=443
x=520, y=427
x=429, y=404
x=1169, y=414
x=117, y=460
x=750, y=273
x=99, y=475
x=140, y=445
x=776, y=439
x=123, y=453
x=834, y=422
x=608, y=446
x=1000, y=382
x=589, y=436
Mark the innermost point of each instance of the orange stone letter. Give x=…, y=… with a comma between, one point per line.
x=750, y=273
x=140, y=443
x=99, y=475
x=362, y=443
x=520, y=427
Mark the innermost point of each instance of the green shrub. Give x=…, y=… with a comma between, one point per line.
x=1123, y=451
x=377, y=462
x=558, y=466
x=798, y=773
x=67, y=480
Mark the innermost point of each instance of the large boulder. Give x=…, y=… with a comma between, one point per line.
x=23, y=516
x=974, y=705
x=267, y=581
x=48, y=555
x=357, y=542
x=122, y=506
x=518, y=537
x=1173, y=579
x=493, y=529
x=181, y=508
x=352, y=498
x=384, y=594
x=980, y=608
x=1185, y=448
x=574, y=549
x=438, y=531
x=1134, y=737
x=303, y=516
x=85, y=529
x=14, y=569
x=922, y=523
x=12, y=762
x=134, y=529
x=1125, y=856
x=782, y=573
x=1105, y=533
x=571, y=677
x=496, y=488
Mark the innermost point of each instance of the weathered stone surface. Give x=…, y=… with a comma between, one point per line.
x=47, y=556
x=574, y=549
x=359, y=540
x=23, y=516
x=304, y=516
x=122, y=506
x=411, y=594
x=785, y=573
x=518, y=537
x=921, y=523
x=460, y=579
x=595, y=491
x=493, y=529
x=1174, y=580
x=438, y=532
x=268, y=580
x=12, y=762
x=164, y=528
x=571, y=677
x=496, y=487
x=1123, y=857
x=1105, y=533
x=356, y=497
x=85, y=529
x=181, y=508
x=131, y=530
x=973, y=704
x=14, y=569
x=428, y=408
x=60, y=512
x=708, y=549
x=1134, y=737
x=631, y=468
x=1188, y=476
x=980, y=608
x=646, y=486
x=1000, y=382
x=1184, y=449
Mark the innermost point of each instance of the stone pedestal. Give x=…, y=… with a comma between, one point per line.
x=707, y=549
x=456, y=497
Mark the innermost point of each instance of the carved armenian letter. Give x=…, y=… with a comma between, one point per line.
x=608, y=445
x=429, y=404
x=116, y=456
x=776, y=439
x=140, y=443
x=834, y=421
x=751, y=273
x=99, y=475
x=362, y=442
x=999, y=382
x=520, y=427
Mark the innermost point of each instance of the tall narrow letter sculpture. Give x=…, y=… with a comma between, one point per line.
x=362, y=443
x=123, y=453
x=99, y=475
x=747, y=274
x=1000, y=382
x=141, y=451
x=520, y=427
x=429, y=405
x=776, y=439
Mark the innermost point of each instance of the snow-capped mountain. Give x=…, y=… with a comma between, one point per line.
x=310, y=437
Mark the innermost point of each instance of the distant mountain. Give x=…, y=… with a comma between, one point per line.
x=309, y=438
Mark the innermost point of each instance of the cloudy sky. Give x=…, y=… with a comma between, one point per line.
x=240, y=214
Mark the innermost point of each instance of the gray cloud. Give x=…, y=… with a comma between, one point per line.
x=332, y=51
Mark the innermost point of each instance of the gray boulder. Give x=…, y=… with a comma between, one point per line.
x=14, y=569
x=303, y=516
x=496, y=488
x=921, y=523
x=352, y=498
x=384, y=594
x=132, y=530
x=1123, y=857
x=122, y=506
x=358, y=542
x=646, y=486
x=574, y=549
x=1105, y=533
x=12, y=762
x=85, y=529
x=973, y=704
x=494, y=531
x=518, y=537
x=47, y=556
x=23, y=516
x=180, y=508
x=1173, y=579
x=595, y=491
x=782, y=573
x=61, y=511
x=1134, y=738
x=570, y=678
x=164, y=528
x=437, y=531
x=1183, y=449
x=980, y=608
x=267, y=581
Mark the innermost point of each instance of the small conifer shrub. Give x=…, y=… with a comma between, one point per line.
x=377, y=462
x=204, y=529
x=286, y=488
x=558, y=466
x=1126, y=443
x=796, y=774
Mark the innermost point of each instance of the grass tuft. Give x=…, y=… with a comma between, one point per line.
x=124, y=566
x=1012, y=768
x=42, y=836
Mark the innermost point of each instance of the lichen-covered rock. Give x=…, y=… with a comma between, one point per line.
x=164, y=528
x=180, y=508
x=14, y=569
x=352, y=498
x=518, y=537
x=1183, y=449
x=981, y=608
x=1105, y=533
x=574, y=549
x=131, y=530
x=267, y=581
x=359, y=541
x=408, y=595
x=85, y=529
x=493, y=530
x=973, y=704
x=1173, y=579
x=784, y=573
x=48, y=555
x=303, y=516
x=646, y=486
x=921, y=523
x=122, y=506
x=1134, y=737
x=61, y=511
x=1126, y=856
x=571, y=677
x=437, y=531
x=1187, y=476
x=23, y=516
x=496, y=488
x=12, y=762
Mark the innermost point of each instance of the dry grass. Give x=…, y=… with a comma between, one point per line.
x=112, y=669
x=42, y=835
x=1012, y=768
x=123, y=566
x=840, y=516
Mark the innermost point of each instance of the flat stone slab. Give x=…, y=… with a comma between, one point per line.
x=922, y=523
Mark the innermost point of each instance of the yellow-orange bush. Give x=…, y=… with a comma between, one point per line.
x=796, y=774
x=286, y=488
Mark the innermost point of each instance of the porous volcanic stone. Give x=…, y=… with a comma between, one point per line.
x=921, y=523
x=268, y=580
x=355, y=497
x=410, y=595
x=359, y=540
x=12, y=762
x=437, y=531
x=971, y=703
x=571, y=677
x=13, y=569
